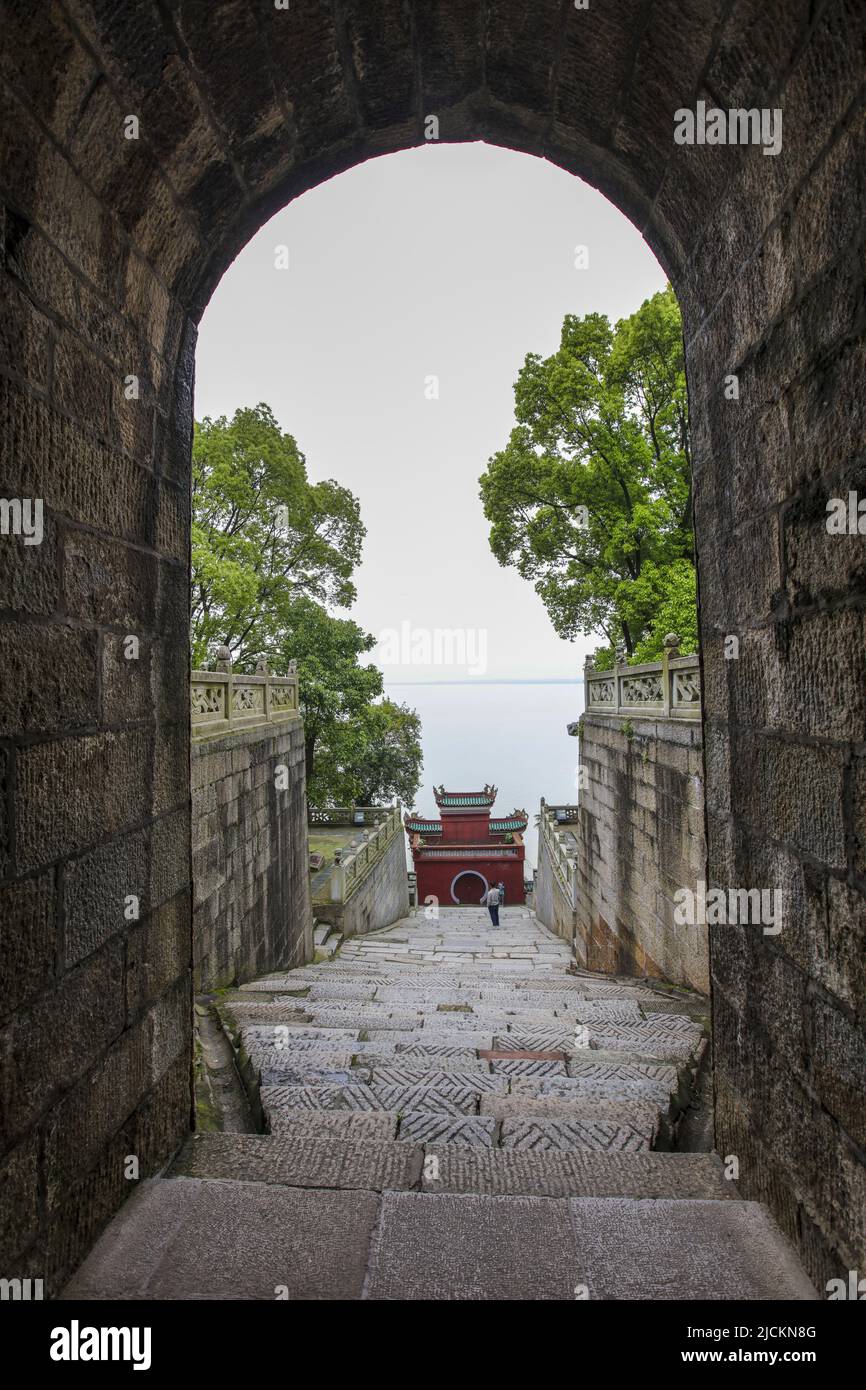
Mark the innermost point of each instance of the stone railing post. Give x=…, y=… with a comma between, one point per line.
x=224, y=663
x=620, y=664
x=671, y=650
x=338, y=878
x=262, y=669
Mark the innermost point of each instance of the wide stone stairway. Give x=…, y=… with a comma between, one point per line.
x=451, y=1111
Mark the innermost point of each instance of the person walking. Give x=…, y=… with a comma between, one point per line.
x=491, y=902
x=501, y=887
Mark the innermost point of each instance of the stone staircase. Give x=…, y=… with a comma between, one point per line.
x=453, y=1111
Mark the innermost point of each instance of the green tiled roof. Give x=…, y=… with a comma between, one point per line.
x=470, y=799
x=497, y=827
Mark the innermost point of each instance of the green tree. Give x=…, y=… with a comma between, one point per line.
x=334, y=688
x=372, y=758
x=591, y=497
x=263, y=536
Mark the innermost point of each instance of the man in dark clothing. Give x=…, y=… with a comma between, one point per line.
x=491, y=901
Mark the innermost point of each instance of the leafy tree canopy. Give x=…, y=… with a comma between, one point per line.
x=591, y=497
x=373, y=758
x=262, y=536
x=271, y=551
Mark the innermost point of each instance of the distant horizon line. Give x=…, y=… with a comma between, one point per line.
x=498, y=680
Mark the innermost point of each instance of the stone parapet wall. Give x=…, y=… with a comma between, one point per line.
x=554, y=895
x=252, y=908
x=368, y=886
x=381, y=897
x=638, y=839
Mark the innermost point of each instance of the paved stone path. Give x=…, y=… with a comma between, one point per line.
x=452, y=1111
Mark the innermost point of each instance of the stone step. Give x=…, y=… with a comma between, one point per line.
x=299, y=1159
x=334, y=990
x=431, y=1037
x=321, y=932
x=299, y=1035
x=330, y=947
x=332, y=1124
x=292, y=1013
x=611, y=1087
x=576, y=1173
x=432, y=1126
x=536, y=1132
x=191, y=1238
x=639, y=1114
x=327, y=1097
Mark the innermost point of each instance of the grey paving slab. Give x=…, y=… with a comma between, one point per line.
x=640, y=1115
x=339, y=1124
x=681, y=1024
x=342, y=989
x=419, y=1049
x=298, y=1035
x=576, y=1173
x=273, y=984
x=452, y=1037
x=309, y=1058
x=190, y=1239
x=621, y=1066
x=584, y=1088
x=287, y=1073
x=433, y=1247
x=393, y=1035
x=406, y=1098
x=684, y=1250
x=363, y=1020
x=236, y=1015
x=425, y=994
x=590, y=1010
x=522, y=1067
x=444, y=1078
x=599, y=1135
x=535, y=1039
x=440, y=1022
x=301, y=1097
x=302, y=1160
x=407, y=1067
x=428, y=1127
x=612, y=1037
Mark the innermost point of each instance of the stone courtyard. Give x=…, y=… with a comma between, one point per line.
x=451, y=1111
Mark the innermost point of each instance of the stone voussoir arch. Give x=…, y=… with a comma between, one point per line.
x=112, y=247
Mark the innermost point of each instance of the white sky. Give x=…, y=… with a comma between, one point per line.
x=453, y=260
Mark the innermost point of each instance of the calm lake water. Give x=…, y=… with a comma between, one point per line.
x=512, y=734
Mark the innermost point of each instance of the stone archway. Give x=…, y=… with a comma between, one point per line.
x=111, y=247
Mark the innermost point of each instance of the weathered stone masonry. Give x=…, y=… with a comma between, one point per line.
x=641, y=838
x=640, y=834
x=251, y=908
x=611, y=866
x=368, y=887
x=110, y=249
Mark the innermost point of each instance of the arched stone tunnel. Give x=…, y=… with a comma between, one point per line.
x=111, y=247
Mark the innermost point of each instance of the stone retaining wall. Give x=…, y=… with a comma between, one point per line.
x=250, y=859
x=639, y=838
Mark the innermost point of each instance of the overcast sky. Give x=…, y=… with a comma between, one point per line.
x=451, y=261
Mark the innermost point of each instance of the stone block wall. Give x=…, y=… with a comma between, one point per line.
x=251, y=900
x=639, y=838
